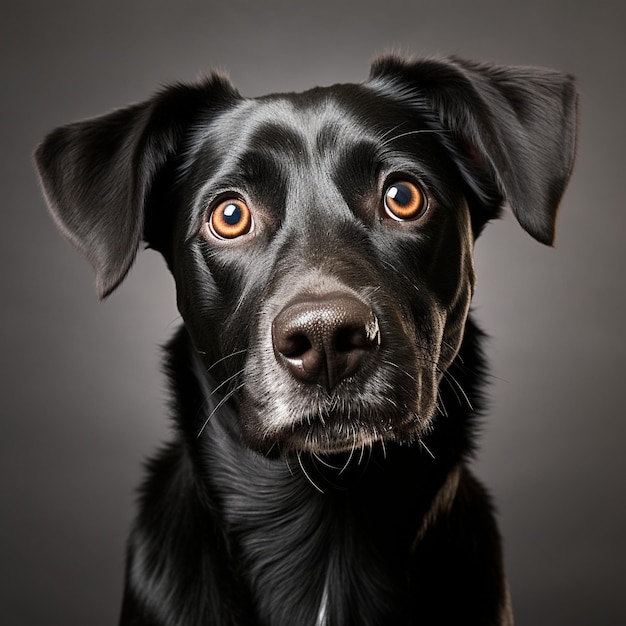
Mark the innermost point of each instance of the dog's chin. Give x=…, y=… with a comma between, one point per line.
x=325, y=437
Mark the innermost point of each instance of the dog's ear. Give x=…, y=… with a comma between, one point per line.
x=520, y=122
x=97, y=174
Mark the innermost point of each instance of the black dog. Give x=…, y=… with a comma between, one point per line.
x=327, y=378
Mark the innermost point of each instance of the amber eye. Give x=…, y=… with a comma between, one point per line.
x=230, y=218
x=404, y=201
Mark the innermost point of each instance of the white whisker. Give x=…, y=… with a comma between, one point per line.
x=228, y=356
x=298, y=455
x=447, y=375
x=414, y=132
x=426, y=448
x=218, y=406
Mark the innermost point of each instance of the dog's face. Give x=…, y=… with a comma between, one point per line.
x=334, y=238
x=321, y=242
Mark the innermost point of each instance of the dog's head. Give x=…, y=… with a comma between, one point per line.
x=321, y=242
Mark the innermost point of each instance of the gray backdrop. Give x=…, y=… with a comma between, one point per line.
x=82, y=395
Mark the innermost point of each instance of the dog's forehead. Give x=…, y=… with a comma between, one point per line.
x=306, y=123
x=309, y=113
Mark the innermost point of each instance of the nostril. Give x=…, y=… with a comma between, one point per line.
x=357, y=337
x=292, y=346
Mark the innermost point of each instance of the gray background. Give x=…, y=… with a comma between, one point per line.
x=82, y=395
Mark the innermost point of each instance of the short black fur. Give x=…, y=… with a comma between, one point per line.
x=327, y=380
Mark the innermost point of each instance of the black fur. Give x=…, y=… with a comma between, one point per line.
x=332, y=494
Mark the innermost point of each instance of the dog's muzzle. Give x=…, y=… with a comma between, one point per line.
x=325, y=339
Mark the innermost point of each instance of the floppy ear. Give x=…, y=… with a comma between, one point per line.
x=518, y=121
x=97, y=174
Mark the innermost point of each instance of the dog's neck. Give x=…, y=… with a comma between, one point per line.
x=315, y=543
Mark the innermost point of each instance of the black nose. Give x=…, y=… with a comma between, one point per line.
x=324, y=339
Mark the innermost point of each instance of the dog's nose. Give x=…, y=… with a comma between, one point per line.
x=324, y=339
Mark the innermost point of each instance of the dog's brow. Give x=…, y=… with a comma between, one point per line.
x=330, y=136
x=279, y=139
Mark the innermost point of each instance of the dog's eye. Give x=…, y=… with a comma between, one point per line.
x=230, y=218
x=404, y=200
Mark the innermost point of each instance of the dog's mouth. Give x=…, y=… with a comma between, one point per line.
x=334, y=434
x=381, y=403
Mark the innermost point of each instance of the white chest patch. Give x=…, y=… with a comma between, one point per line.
x=321, y=612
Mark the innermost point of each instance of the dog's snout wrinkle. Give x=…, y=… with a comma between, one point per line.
x=324, y=339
